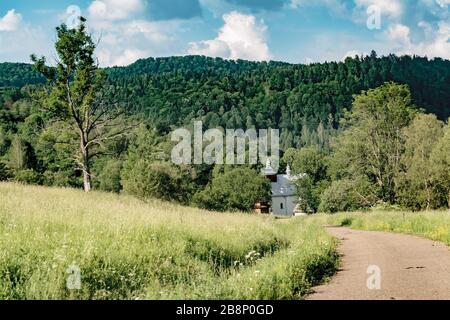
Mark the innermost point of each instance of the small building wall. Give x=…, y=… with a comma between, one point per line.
x=284, y=206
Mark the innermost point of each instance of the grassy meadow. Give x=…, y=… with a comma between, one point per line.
x=434, y=225
x=129, y=249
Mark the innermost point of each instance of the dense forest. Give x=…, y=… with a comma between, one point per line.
x=310, y=104
x=296, y=99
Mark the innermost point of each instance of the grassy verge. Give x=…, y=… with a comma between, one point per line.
x=434, y=225
x=128, y=249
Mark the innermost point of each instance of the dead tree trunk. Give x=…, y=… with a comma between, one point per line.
x=85, y=165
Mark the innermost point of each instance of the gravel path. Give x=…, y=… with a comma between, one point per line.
x=409, y=268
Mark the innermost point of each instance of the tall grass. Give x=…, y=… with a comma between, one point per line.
x=433, y=225
x=128, y=249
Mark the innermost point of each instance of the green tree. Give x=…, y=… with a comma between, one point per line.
x=347, y=195
x=372, y=142
x=440, y=163
x=237, y=189
x=17, y=155
x=311, y=164
x=147, y=173
x=159, y=180
x=109, y=177
x=416, y=184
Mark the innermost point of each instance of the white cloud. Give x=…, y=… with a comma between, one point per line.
x=213, y=48
x=241, y=37
x=436, y=43
x=18, y=39
x=10, y=21
x=443, y=3
x=114, y=9
x=123, y=37
x=123, y=42
x=399, y=33
x=439, y=45
x=152, y=31
x=123, y=58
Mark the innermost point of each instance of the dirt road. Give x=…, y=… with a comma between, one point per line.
x=393, y=266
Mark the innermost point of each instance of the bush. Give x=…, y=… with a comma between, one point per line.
x=347, y=195
x=4, y=173
x=27, y=176
x=346, y=222
x=235, y=190
x=58, y=179
x=158, y=180
x=109, y=177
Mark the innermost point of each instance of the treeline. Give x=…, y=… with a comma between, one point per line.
x=389, y=153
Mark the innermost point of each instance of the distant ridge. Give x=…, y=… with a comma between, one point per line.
x=174, y=91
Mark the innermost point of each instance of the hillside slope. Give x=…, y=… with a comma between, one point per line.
x=127, y=249
x=241, y=94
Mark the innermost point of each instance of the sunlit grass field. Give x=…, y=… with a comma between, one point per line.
x=129, y=249
x=434, y=225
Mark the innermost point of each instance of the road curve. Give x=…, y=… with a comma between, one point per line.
x=409, y=268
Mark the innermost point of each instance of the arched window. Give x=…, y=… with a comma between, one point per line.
x=281, y=206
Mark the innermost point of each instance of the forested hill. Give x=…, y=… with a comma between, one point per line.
x=297, y=99
x=18, y=75
x=294, y=98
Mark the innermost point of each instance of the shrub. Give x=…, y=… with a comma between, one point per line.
x=4, y=172
x=235, y=190
x=158, y=180
x=347, y=195
x=346, y=222
x=58, y=179
x=28, y=176
x=109, y=177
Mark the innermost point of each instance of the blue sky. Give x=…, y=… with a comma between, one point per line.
x=297, y=31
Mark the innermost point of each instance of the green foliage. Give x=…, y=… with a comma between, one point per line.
x=17, y=154
x=237, y=189
x=347, y=195
x=59, y=179
x=417, y=187
x=4, y=172
x=306, y=102
x=160, y=180
x=372, y=143
x=310, y=164
x=18, y=75
x=440, y=163
x=28, y=176
x=346, y=222
x=297, y=99
x=75, y=85
x=147, y=173
x=109, y=177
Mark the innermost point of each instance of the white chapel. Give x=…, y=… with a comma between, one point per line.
x=284, y=197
